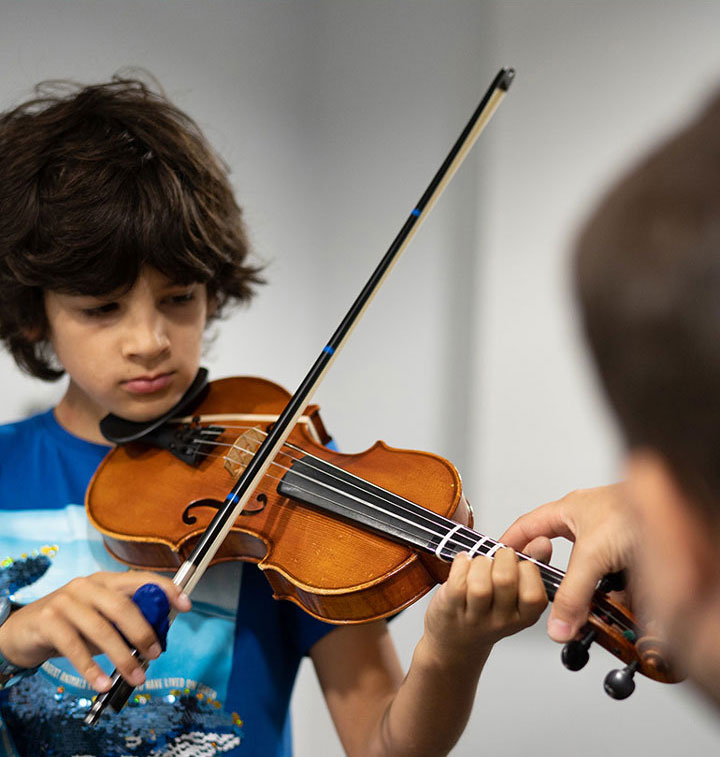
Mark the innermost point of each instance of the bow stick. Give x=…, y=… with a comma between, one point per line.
x=193, y=568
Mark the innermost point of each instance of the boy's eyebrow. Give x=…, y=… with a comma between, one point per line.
x=87, y=296
x=118, y=293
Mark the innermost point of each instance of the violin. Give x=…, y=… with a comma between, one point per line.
x=310, y=517
x=317, y=524
x=349, y=537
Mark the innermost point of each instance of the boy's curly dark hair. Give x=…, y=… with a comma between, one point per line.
x=97, y=182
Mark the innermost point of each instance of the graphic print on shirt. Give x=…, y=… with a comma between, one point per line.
x=177, y=712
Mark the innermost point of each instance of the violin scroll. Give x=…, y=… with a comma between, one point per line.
x=613, y=626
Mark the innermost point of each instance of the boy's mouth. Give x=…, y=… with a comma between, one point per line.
x=148, y=384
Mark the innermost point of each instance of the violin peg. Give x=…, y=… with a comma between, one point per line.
x=575, y=653
x=619, y=684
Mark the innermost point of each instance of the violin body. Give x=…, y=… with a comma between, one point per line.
x=151, y=508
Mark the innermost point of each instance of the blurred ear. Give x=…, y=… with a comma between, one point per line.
x=680, y=532
x=34, y=334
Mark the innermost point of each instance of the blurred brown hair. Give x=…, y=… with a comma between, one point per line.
x=97, y=182
x=647, y=270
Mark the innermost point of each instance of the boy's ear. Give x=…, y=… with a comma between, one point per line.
x=34, y=334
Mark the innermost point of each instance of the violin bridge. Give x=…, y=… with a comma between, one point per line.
x=242, y=451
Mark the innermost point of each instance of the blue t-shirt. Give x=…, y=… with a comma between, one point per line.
x=222, y=687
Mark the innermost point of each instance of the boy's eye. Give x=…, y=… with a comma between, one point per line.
x=100, y=310
x=181, y=299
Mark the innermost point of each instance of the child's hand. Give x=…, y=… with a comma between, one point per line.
x=89, y=616
x=481, y=602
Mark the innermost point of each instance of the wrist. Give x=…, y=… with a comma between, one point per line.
x=450, y=658
x=9, y=672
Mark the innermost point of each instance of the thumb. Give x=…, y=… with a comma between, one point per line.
x=572, y=600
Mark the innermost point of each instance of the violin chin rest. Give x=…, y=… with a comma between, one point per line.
x=121, y=431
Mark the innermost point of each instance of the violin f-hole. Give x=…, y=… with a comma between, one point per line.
x=254, y=506
x=189, y=519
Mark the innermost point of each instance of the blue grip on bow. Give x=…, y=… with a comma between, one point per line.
x=155, y=607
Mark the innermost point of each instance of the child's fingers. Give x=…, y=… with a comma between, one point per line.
x=105, y=605
x=453, y=590
x=98, y=633
x=131, y=580
x=532, y=597
x=69, y=644
x=90, y=615
x=505, y=581
x=120, y=612
x=104, y=620
x=479, y=594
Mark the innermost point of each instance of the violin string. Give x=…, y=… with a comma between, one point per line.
x=417, y=511
x=549, y=574
x=469, y=540
x=423, y=513
x=410, y=507
x=381, y=523
x=470, y=536
x=549, y=581
x=329, y=488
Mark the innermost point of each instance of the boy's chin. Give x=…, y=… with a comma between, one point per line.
x=148, y=410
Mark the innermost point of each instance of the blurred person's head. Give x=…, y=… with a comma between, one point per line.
x=647, y=270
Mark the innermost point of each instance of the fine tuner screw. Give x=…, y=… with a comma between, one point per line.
x=575, y=653
x=619, y=684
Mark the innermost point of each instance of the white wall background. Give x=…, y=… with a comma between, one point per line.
x=333, y=116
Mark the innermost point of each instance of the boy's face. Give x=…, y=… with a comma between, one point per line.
x=133, y=354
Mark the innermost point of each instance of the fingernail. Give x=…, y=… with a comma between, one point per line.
x=154, y=651
x=137, y=677
x=184, y=600
x=102, y=682
x=559, y=630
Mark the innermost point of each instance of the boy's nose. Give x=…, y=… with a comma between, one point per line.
x=146, y=338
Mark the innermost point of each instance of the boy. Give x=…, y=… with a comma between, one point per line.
x=648, y=276
x=119, y=239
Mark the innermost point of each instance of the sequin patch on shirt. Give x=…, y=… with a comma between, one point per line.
x=181, y=724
